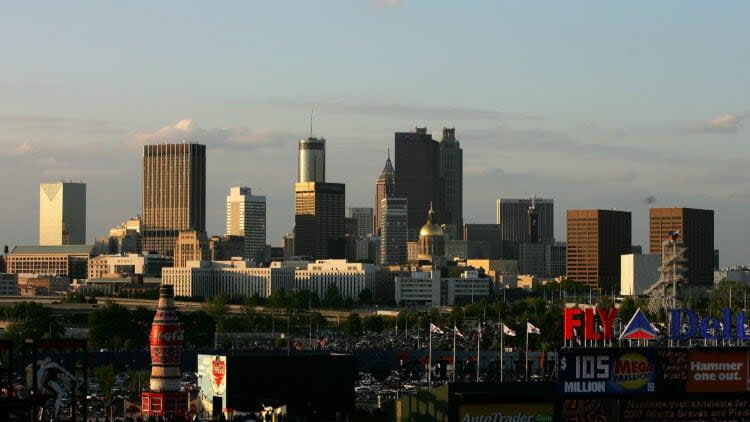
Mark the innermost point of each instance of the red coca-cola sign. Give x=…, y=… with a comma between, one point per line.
x=166, y=335
x=218, y=370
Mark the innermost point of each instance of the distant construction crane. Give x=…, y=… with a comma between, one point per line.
x=664, y=292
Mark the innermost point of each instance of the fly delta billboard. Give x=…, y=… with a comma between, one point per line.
x=597, y=324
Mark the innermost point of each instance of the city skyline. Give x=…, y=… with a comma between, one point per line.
x=647, y=113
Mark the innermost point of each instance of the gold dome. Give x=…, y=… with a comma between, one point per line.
x=430, y=229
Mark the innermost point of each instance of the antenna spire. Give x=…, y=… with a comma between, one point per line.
x=311, y=120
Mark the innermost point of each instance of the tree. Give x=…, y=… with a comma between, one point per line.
x=365, y=297
x=33, y=321
x=218, y=309
x=200, y=328
x=105, y=377
x=332, y=298
x=130, y=330
x=353, y=324
x=627, y=309
x=374, y=323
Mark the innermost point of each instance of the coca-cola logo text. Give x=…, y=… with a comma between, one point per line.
x=166, y=334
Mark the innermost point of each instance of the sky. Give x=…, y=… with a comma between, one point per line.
x=610, y=105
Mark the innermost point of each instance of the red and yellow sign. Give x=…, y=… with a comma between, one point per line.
x=723, y=371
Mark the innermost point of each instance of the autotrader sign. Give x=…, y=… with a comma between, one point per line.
x=506, y=412
x=609, y=371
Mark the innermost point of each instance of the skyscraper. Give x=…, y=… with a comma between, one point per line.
x=596, y=239
x=384, y=188
x=516, y=217
x=394, y=215
x=174, y=193
x=451, y=171
x=491, y=234
x=62, y=214
x=319, y=220
x=696, y=227
x=364, y=218
x=312, y=160
x=246, y=217
x=513, y=216
x=417, y=176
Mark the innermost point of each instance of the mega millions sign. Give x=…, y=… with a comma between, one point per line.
x=608, y=371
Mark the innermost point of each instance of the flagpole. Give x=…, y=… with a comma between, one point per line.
x=454, y=352
x=479, y=339
x=527, y=350
x=429, y=363
x=502, y=349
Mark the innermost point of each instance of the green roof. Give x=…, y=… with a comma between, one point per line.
x=53, y=250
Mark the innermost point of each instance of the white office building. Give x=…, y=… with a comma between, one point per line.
x=62, y=214
x=427, y=288
x=638, y=272
x=231, y=278
x=350, y=278
x=246, y=217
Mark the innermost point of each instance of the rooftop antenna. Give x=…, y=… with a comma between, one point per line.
x=311, y=117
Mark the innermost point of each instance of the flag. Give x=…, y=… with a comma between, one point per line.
x=508, y=332
x=458, y=333
x=435, y=329
x=531, y=329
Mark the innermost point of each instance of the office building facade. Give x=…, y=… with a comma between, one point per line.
x=65, y=261
x=62, y=214
x=319, y=220
x=492, y=234
x=451, y=172
x=513, y=216
x=384, y=188
x=312, y=160
x=394, y=214
x=174, y=194
x=364, y=217
x=246, y=217
x=417, y=177
x=596, y=239
x=696, y=227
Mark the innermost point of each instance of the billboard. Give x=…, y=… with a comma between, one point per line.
x=212, y=379
x=614, y=371
x=527, y=412
x=714, y=371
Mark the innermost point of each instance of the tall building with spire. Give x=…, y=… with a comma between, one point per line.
x=174, y=194
x=451, y=171
x=312, y=160
x=384, y=188
x=318, y=205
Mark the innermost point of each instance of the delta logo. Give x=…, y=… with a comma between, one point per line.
x=633, y=371
x=639, y=328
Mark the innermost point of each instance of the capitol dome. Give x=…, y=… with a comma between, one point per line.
x=430, y=229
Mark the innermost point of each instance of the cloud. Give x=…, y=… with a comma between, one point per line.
x=386, y=4
x=728, y=123
x=381, y=108
x=21, y=150
x=217, y=138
